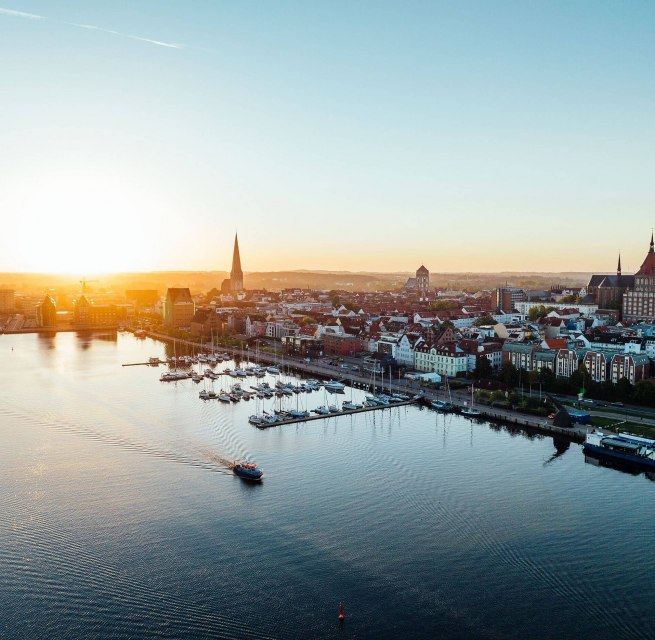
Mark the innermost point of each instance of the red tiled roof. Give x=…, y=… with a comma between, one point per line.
x=557, y=343
x=648, y=266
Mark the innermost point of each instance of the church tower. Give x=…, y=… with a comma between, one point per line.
x=236, y=275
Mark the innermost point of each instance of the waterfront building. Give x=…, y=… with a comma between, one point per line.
x=445, y=359
x=7, y=300
x=632, y=366
x=520, y=354
x=87, y=314
x=179, y=308
x=341, y=344
x=405, y=349
x=46, y=313
x=236, y=274
x=566, y=362
x=639, y=303
x=597, y=364
x=303, y=346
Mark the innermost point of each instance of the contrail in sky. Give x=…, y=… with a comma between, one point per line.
x=34, y=16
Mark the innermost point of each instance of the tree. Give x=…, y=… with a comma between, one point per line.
x=447, y=324
x=539, y=312
x=483, y=368
x=334, y=298
x=508, y=374
x=546, y=377
x=482, y=320
x=624, y=389
x=444, y=305
x=645, y=393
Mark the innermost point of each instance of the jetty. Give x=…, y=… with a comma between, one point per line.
x=336, y=414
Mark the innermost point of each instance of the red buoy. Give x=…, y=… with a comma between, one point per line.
x=342, y=612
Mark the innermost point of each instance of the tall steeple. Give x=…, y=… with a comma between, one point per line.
x=236, y=275
x=651, y=242
x=618, y=268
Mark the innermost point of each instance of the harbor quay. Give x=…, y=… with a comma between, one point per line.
x=459, y=399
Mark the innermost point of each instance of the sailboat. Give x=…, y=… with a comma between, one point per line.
x=470, y=411
x=445, y=405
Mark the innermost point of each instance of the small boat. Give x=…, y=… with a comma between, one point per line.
x=204, y=395
x=299, y=414
x=342, y=612
x=469, y=411
x=247, y=471
x=350, y=406
x=224, y=397
x=442, y=406
x=333, y=408
x=322, y=410
x=335, y=386
x=274, y=370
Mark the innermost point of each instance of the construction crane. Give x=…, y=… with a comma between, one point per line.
x=83, y=282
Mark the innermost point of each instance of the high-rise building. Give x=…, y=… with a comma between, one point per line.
x=507, y=297
x=236, y=275
x=639, y=303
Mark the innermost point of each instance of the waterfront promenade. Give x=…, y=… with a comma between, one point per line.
x=458, y=398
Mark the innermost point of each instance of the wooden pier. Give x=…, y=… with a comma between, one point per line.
x=336, y=414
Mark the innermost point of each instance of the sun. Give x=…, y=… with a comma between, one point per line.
x=83, y=223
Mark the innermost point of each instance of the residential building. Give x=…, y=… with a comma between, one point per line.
x=179, y=308
x=566, y=362
x=633, y=367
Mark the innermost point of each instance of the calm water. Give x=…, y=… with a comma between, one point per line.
x=120, y=521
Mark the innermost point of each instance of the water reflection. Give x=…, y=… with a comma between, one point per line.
x=562, y=445
x=84, y=339
x=619, y=465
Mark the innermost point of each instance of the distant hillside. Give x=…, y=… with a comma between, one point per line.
x=202, y=281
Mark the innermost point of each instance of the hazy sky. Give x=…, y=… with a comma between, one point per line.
x=333, y=135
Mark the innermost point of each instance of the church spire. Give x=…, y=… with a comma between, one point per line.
x=618, y=267
x=236, y=275
x=651, y=242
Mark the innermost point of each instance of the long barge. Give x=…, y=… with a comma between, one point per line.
x=622, y=448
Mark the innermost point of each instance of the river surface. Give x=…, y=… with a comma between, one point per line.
x=119, y=518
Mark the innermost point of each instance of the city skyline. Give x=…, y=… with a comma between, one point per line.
x=369, y=138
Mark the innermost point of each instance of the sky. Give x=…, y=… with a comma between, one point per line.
x=340, y=135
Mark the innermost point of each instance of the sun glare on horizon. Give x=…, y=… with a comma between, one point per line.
x=86, y=225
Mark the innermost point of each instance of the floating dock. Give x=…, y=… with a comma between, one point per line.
x=336, y=414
